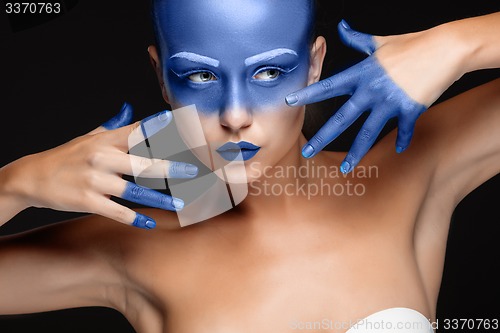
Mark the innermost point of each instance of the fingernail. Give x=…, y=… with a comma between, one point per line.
x=150, y=224
x=307, y=151
x=182, y=170
x=344, y=24
x=292, y=99
x=178, y=203
x=400, y=149
x=191, y=170
x=164, y=115
x=143, y=222
x=345, y=167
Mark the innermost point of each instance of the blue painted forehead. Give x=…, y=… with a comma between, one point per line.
x=243, y=23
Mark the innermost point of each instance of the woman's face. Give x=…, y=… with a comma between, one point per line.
x=236, y=60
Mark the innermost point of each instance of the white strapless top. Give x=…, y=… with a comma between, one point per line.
x=392, y=320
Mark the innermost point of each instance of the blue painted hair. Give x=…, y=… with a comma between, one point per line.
x=311, y=7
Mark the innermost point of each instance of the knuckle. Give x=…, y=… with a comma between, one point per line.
x=165, y=201
x=133, y=128
x=351, y=105
x=326, y=84
x=135, y=125
x=175, y=168
x=352, y=158
x=145, y=163
x=318, y=139
x=365, y=135
x=404, y=133
x=120, y=213
x=85, y=200
x=339, y=118
x=92, y=179
x=137, y=192
x=95, y=158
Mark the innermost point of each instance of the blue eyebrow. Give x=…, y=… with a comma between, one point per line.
x=268, y=55
x=197, y=58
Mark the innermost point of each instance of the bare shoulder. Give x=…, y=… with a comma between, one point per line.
x=122, y=246
x=455, y=147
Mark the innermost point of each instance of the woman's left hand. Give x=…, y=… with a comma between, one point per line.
x=402, y=76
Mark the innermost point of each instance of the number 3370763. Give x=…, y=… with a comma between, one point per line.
x=32, y=8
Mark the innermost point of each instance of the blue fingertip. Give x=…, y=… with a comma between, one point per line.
x=292, y=99
x=191, y=170
x=154, y=123
x=182, y=170
x=165, y=115
x=143, y=222
x=400, y=149
x=344, y=24
x=307, y=151
x=345, y=167
x=124, y=117
x=177, y=203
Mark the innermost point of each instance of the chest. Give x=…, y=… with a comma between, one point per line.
x=252, y=284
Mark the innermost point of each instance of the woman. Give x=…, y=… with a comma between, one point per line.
x=267, y=264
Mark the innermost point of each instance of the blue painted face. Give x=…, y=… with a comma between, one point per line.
x=226, y=54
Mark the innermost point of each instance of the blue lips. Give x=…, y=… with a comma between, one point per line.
x=230, y=151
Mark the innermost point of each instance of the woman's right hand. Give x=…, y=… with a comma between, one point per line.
x=82, y=174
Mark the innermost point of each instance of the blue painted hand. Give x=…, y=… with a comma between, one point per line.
x=371, y=89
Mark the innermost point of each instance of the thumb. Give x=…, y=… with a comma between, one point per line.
x=357, y=40
x=123, y=118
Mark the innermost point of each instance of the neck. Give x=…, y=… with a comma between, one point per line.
x=281, y=186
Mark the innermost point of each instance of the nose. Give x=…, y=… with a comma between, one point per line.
x=236, y=112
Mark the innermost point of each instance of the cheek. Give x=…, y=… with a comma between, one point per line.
x=272, y=96
x=206, y=97
x=281, y=126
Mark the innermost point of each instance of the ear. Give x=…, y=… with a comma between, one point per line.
x=318, y=52
x=155, y=62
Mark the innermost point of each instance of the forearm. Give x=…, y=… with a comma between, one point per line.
x=479, y=40
x=54, y=267
x=11, y=202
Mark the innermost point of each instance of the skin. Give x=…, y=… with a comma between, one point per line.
x=241, y=100
x=82, y=174
x=387, y=84
x=266, y=263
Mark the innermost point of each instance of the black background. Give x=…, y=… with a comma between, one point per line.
x=61, y=78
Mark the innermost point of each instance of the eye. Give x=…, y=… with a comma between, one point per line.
x=202, y=77
x=268, y=74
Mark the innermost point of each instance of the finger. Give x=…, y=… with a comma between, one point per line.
x=338, y=123
x=364, y=141
x=123, y=118
x=357, y=40
x=339, y=84
x=138, y=166
x=148, y=127
x=141, y=195
x=406, y=127
x=112, y=210
x=157, y=168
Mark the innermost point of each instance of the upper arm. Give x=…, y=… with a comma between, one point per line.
x=463, y=134
x=60, y=266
